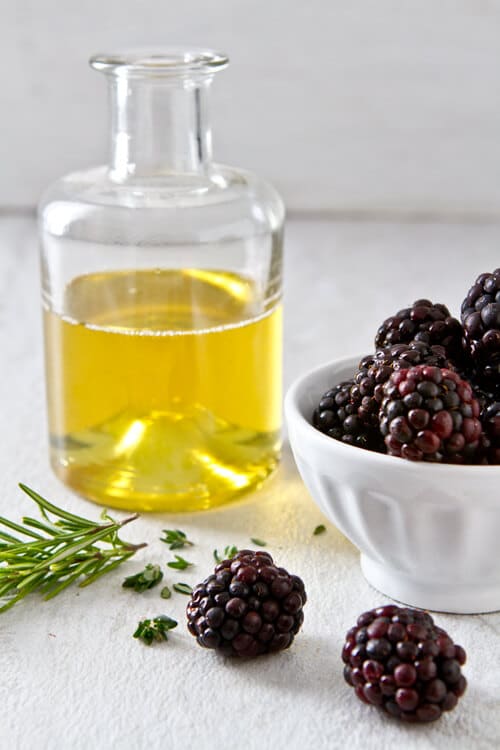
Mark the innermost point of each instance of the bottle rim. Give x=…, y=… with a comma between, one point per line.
x=165, y=62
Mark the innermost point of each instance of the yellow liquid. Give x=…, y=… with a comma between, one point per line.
x=164, y=388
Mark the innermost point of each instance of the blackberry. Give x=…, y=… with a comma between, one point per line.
x=398, y=660
x=484, y=394
x=423, y=321
x=247, y=607
x=490, y=419
x=337, y=416
x=430, y=414
x=480, y=314
x=375, y=370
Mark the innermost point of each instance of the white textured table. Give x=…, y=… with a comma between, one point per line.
x=71, y=675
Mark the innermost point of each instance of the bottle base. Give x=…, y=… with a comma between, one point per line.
x=163, y=463
x=112, y=496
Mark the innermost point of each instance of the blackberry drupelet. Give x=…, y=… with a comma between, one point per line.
x=398, y=660
x=337, y=416
x=247, y=607
x=430, y=414
x=376, y=369
x=423, y=321
x=480, y=316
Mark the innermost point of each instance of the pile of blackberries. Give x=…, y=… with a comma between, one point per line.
x=431, y=391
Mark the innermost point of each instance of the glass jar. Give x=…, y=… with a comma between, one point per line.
x=161, y=287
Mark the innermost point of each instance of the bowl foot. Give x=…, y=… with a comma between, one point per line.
x=465, y=598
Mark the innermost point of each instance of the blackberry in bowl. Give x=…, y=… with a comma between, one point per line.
x=480, y=316
x=398, y=660
x=350, y=410
x=423, y=321
x=430, y=414
x=427, y=532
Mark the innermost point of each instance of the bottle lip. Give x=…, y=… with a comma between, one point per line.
x=164, y=62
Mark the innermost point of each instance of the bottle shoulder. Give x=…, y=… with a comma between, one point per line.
x=211, y=207
x=222, y=196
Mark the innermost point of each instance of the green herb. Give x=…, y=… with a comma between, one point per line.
x=165, y=593
x=182, y=588
x=175, y=538
x=319, y=529
x=229, y=552
x=63, y=549
x=179, y=563
x=146, y=579
x=258, y=542
x=155, y=629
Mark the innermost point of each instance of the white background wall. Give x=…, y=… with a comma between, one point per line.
x=388, y=107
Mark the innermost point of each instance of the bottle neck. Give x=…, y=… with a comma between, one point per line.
x=159, y=126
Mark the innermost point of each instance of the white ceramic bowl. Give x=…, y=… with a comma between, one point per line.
x=429, y=534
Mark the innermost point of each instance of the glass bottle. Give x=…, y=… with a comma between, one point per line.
x=161, y=288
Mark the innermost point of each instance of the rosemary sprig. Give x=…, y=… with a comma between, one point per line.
x=64, y=549
x=175, y=538
x=146, y=579
x=179, y=563
x=229, y=552
x=155, y=629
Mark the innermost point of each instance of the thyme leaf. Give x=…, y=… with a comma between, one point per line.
x=182, y=588
x=258, y=542
x=179, y=563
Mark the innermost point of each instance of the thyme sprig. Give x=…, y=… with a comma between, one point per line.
x=175, y=538
x=145, y=579
x=154, y=629
x=49, y=555
x=229, y=552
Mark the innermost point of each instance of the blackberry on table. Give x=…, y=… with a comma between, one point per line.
x=423, y=321
x=480, y=314
x=337, y=416
x=430, y=414
x=399, y=661
x=249, y=606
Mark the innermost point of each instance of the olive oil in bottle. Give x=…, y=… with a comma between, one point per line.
x=164, y=387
